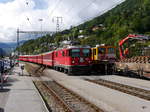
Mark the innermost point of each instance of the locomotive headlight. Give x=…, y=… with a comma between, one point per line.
x=81, y=60
x=73, y=61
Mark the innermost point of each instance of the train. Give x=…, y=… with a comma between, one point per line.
x=103, y=58
x=76, y=59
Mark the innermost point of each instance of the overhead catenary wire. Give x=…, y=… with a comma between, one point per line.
x=87, y=6
x=98, y=14
x=71, y=8
x=27, y=18
x=56, y=6
x=67, y=12
x=53, y=9
x=84, y=8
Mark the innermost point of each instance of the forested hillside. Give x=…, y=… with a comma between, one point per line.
x=131, y=16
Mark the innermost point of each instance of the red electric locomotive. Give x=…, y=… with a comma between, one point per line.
x=73, y=60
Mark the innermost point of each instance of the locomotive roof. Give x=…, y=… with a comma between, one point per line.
x=71, y=47
x=46, y=52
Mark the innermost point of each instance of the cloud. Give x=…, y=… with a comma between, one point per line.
x=25, y=14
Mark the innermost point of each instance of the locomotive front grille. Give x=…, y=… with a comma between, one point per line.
x=80, y=69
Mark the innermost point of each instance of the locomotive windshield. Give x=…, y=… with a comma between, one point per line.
x=75, y=52
x=86, y=52
x=101, y=50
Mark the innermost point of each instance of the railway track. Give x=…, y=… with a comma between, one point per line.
x=138, y=92
x=68, y=100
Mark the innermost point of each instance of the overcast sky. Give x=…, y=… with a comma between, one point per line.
x=25, y=14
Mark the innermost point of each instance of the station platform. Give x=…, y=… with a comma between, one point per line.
x=20, y=95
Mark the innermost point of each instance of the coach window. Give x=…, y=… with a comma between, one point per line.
x=56, y=54
x=63, y=54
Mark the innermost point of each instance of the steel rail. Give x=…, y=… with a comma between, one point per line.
x=69, y=100
x=138, y=92
x=97, y=109
x=73, y=100
x=58, y=99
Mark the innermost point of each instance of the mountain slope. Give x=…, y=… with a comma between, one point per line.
x=7, y=48
x=131, y=16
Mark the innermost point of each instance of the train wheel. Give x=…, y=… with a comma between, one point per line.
x=69, y=72
x=140, y=72
x=65, y=71
x=57, y=69
x=62, y=69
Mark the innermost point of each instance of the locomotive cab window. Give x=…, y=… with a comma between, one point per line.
x=86, y=52
x=101, y=50
x=75, y=52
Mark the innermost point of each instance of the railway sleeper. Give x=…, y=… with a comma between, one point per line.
x=124, y=88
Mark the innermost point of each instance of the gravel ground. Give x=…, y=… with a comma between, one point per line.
x=105, y=98
x=144, y=84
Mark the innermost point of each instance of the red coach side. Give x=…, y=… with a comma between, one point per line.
x=48, y=59
x=21, y=58
x=34, y=58
x=25, y=58
x=40, y=59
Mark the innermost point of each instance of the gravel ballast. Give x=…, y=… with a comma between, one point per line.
x=105, y=98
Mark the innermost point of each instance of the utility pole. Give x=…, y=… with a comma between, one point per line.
x=29, y=32
x=58, y=20
x=73, y=33
x=41, y=20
